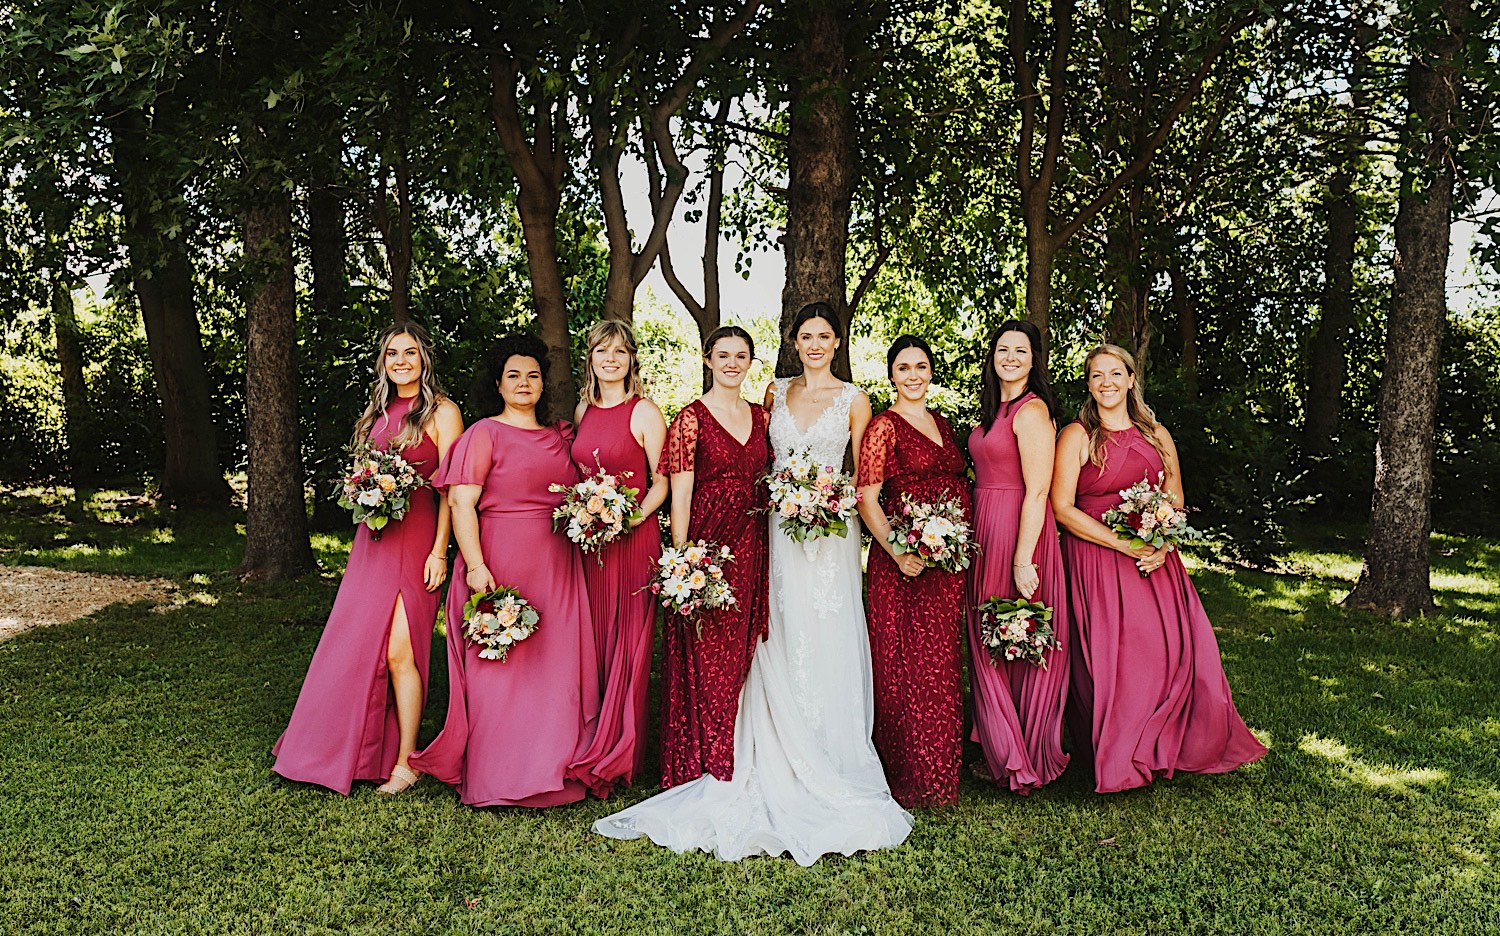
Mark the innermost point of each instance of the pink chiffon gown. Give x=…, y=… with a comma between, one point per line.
x=1146, y=667
x=1018, y=706
x=624, y=613
x=517, y=731
x=343, y=727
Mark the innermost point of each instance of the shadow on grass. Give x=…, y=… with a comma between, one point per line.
x=136, y=795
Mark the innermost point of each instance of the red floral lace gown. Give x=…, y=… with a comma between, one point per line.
x=916, y=624
x=704, y=669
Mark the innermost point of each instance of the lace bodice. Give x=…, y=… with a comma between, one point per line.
x=828, y=435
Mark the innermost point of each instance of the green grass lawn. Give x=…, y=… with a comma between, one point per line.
x=135, y=795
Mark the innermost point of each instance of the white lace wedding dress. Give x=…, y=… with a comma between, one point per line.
x=806, y=780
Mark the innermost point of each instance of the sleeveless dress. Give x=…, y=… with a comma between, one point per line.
x=624, y=612
x=343, y=727
x=806, y=781
x=517, y=731
x=916, y=623
x=1146, y=667
x=1018, y=706
x=704, y=669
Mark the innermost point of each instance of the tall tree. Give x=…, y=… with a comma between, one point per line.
x=1396, y=577
x=1039, y=155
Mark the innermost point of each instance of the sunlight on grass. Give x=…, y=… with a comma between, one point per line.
x=1375, y=776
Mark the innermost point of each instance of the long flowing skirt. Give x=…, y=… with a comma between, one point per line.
x=343, y=727
x=1147, y=672
x=624, y=616
x=806, y=778
x=1018, y=706
x=517, y=731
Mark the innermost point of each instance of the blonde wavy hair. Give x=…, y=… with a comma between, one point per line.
x=382, y=391
x=602, y=333
x=1141, y=415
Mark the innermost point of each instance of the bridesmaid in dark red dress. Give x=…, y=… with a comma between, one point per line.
x=916, y=614
x=620, y=431
x=717, y=453
x=1018, y=706
x=357, y=715
x=1146, y=670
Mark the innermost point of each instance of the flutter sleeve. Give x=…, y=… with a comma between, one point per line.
x=680, y=452
x=469, y=460
x=877, y=452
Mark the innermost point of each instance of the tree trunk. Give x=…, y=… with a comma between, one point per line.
x=1128, y=324
x=57, y=220
x=1187, y=325
x=82, y=466
x=539, y=229
x=820, y=184
x=1325, y=376
x=1396, y=578
x=276, y=543
x=328, y=248
x=163, y=279
x=398, y=249
x=1040, y=257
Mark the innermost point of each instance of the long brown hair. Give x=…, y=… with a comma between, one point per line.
x=602, y=333
x=1141, y=415
x=383, y=391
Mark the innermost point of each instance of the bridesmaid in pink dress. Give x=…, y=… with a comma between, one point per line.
x=357, y=715
x=1146, y=668
x=621, y=431
x=516, y=730
x=717, y=452
x=1018, y=706
x=916, y=614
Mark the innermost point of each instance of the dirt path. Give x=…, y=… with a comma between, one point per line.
x=34, y=596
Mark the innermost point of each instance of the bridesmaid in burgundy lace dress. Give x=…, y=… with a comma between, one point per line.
x=916, y=614
x=1146, y=668
x=621, y=431
x=1018, y=706
x=717, y=453
x=357, y=715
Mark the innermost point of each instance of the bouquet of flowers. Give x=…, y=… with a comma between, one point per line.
x=597, y=510
x=378, y=488
x=1017, y=630
x=690, y=578
x=497, y=621
x=937, y=532
x=812, y=500
x=1146, y=516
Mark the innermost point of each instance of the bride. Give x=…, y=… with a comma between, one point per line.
x=806, y=778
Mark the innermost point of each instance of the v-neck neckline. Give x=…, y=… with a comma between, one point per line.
x=725, y=429
x=940, y=443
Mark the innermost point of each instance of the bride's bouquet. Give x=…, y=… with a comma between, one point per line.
x=378, y=488
x=497, y=621
x=690, y=578
x=812, y=500
x=936, y=531
x=597, y=510
x=1016, y=629
x=1146, y=517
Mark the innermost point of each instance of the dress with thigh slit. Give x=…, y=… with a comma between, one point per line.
x=343, y=727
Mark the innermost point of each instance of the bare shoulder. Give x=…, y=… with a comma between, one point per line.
x=448, y=413
x=860, y=401
x=770, y=394
x=1164, y=437
x=1073, y=434
x=1032, y=415
x=647, y=410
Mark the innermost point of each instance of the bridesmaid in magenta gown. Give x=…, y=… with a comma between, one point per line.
x=357, y=715
x=620, y=431
x=1018, y=706
x=717, y=452
x=916, y=614
x=516, y=730
x=1146, y=667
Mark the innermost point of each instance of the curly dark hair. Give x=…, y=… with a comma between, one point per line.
x=486, y=394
